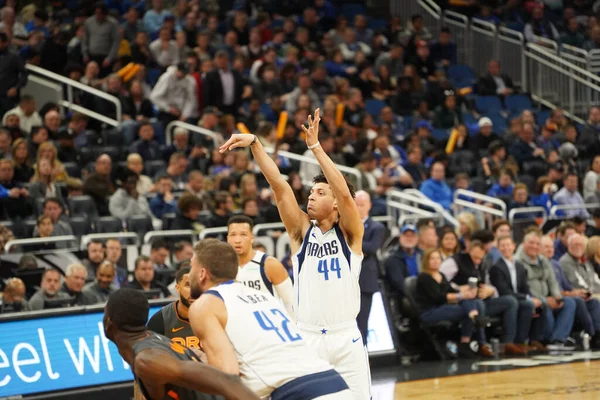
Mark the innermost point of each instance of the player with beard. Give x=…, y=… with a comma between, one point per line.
x=162, y=368
x=172, y=320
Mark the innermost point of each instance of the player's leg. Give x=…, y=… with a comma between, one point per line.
x=317, y=343
x=351, y=361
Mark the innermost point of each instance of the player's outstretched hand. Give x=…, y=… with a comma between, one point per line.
x=312, y=132
x=237, y=140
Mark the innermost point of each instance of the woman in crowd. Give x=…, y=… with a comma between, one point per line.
x=43, y=184
x=449, y=244
x=189, y=207
x=438, y=301
x=592, y=254
x=467, y=225
x=20, y=154
x=47, y=150
x=590, y=184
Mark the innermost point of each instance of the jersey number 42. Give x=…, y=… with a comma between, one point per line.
x=330, y=266
x=281, y=329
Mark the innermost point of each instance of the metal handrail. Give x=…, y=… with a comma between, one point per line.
x=446, y=215
x=297, y=157
x=179, y=232
x=479, y=196
x=545, y=43
x=85, y=88
x=414, y=210
x=525, y=210
x=193, y=128
x=85, y=239
x=561, y=207
x=208, y=231
x=273, y=225
x=558, y=60
x=479, y=207
x=482, y=26
x=431, y=7
x=19, y=242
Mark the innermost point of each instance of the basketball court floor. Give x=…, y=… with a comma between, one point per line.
x=547, y=377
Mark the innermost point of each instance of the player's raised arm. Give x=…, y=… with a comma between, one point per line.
x=159, y=367
x=350, y=220
x=204, y=316
x=295, y=220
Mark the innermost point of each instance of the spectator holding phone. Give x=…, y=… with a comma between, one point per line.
x=439, y=301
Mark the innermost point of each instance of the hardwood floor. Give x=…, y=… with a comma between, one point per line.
x=579, y=380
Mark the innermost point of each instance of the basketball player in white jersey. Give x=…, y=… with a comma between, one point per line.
x=257, y=270
x=327, y=255
x=248, y=333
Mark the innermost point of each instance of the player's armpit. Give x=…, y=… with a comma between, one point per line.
x=208, y=316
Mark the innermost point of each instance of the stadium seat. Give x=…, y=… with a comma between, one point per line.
x=108, y=225
x=38, y=205
x=479, y=185
x=500, y=125
x=352, y=10
x=440, y=135
x=529, y=181
x=377, y=24
x=113, y=151
x=152, y=76
x=518, y=103
x=8, y=224
x=167, y=221
x=93, y=138
x=485, y=104
x=113, y=137
x=28, y=226
x=80, y=226
x=461, y=76
x=82, y=206
x=408, y=123
x=541, y=117
x=461, y=161
x=151, y=168
x=73, y=169
x=374, y=107
x=140, y=224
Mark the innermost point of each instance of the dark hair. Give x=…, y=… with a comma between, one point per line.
x=445, y=29
x=52, y=200
x=42, y=218
x=498, y=223
x=577, y=220
x=95, y=241
x=483, y=235
x=159, y=244
x=495, y=146
x=415, y=17
x=248, y=200
x=424, y=222
x=322, y=179
x=241, y=219
x=48, y=270
x=474, y=244
x=562, y=228
x=221, y=198
x=181, y=273
x=189, y=201
x=139, y=260
x=219, y=258
x=128, y=310
x=177, y=247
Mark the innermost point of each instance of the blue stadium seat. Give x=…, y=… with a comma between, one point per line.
x=440, y=134
x=542, y=116
x=352, y=10
x=152, y=76
x=468, y=118
x=277, y=23
x=485, y=104
x=374, y=107
x=461, y=75
x=377, y=24
x=518, y=102
x=515, y=26
x=500, y=125
x=408, y=123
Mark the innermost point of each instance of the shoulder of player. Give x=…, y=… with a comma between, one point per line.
x=275, y=270
x=150, y=364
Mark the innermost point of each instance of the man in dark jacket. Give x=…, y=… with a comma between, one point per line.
x=403, y=262
x=369, y=274
x=13, y=76
x=495, y=83
x=223, y=87
x=588, y=142
x=99, y=185
x=73, y=285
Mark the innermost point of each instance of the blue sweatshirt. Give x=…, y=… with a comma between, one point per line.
x=438, y=191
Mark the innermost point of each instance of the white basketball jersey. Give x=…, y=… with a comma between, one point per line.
x=269, y=349
x=326, y=274
x=253, y=275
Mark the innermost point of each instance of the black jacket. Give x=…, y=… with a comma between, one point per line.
x=372, y=241
x=12, y=72
x=588, y=142
x=486, y=86
x=213, y=89
x=396, y=270
x=500, y=278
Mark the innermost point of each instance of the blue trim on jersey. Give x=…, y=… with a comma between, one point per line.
x=229, y=282
x=342, y=239
x=311, y=386
x=302, y=253
x=214, y=293
x=263, y=274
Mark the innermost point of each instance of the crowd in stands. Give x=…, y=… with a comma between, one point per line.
x=391, y=107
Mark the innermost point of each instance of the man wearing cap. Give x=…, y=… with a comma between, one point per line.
x=404, y=261
x=482, y=140
x=175, y=95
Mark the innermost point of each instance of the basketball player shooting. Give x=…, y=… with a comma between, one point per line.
x=326, y=245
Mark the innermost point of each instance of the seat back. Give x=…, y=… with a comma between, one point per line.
x=108, y=225
x=486, y=104
x=140, y=224
x=374, y=107
x=518, y=102
x=410, y=294
x=153, y=167
x=83, y=206
x=73, y=169
x=80, y=226
x=167, y=221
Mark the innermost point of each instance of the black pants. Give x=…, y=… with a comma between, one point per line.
x=363, y=315
x=104, y=71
